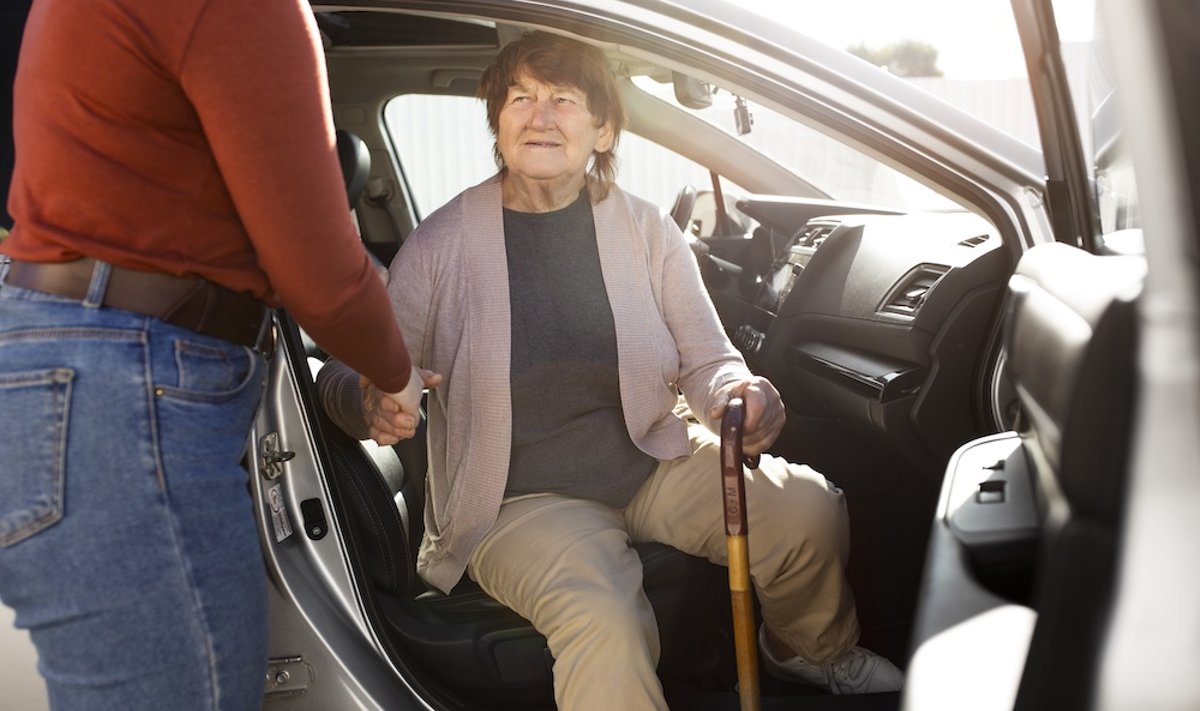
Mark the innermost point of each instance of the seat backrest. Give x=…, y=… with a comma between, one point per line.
x=1071, y=347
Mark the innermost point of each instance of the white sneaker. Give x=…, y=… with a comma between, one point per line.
x=858, y=671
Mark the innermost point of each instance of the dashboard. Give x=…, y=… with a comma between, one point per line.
x=883, y=321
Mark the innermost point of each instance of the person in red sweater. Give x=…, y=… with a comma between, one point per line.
x=175, y=177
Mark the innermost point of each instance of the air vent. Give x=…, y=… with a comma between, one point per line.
x=814, y=235
x=974, y=241
x=911, y=292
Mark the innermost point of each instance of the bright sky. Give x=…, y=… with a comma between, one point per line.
x=975, y=39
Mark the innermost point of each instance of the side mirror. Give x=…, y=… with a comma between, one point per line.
x=692, y=93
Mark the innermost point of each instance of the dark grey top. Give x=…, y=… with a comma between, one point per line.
x=569, y=433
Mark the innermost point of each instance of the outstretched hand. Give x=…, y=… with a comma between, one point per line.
x=764, y=412
x=391, y=417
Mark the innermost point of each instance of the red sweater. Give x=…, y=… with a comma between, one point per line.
x=194, y=137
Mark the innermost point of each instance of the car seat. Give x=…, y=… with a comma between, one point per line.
x=465, y=639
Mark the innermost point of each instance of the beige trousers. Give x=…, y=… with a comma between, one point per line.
x=566, y=565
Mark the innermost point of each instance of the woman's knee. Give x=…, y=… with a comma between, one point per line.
x=794, y=503
x=602, y=620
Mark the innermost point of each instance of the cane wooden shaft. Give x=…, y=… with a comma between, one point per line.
x=739, y=563
x=733, y=490
x=745, y=646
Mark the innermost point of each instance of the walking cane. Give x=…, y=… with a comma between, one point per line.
x=736, y=528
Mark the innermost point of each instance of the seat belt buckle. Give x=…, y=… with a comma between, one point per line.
x=264, y=342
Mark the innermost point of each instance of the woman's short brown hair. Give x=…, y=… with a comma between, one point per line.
x=558, y=60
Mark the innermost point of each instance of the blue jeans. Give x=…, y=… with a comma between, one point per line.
x=128, y=545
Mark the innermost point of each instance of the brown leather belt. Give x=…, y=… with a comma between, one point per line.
x=194, y=304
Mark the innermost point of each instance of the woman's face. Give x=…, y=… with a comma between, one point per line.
x=547, y=133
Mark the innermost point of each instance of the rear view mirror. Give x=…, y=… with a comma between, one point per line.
x=692, y=93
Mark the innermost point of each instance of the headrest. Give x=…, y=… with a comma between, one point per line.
x=356, y=164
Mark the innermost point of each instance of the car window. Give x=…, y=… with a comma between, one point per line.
x=443, y=145
x=1089, y=73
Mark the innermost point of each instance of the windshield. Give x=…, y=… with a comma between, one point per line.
x=966, y=53
x=836, y=170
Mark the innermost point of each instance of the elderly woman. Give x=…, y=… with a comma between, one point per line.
x=566, y=316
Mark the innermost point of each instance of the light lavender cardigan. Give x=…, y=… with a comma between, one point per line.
x=449, y=291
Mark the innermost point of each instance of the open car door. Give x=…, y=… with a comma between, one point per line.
x=1055, y=576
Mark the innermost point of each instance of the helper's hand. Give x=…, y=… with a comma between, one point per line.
x=391, y=417
x=764, y=412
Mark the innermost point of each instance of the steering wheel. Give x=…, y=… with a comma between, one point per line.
x=681, y=211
